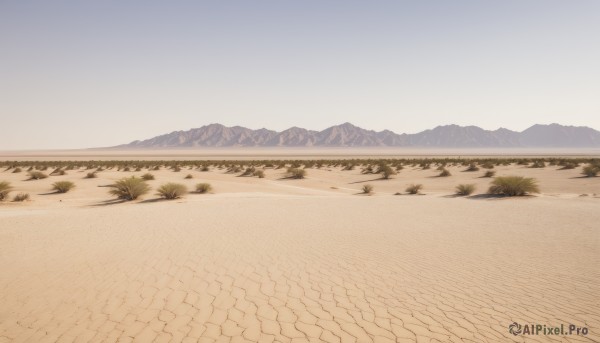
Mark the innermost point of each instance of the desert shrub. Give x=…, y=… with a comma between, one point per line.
x=472, y=167
x=513, y=186
x=176, y=169
x=538, y=164
x=203, y=188
x=147, y=177
x=17, y=170
x=189, y=176
x=367, y=189
x=296, y=173
x=37, y=175
x=21, y=197
x=91, y=175
x=591, y=170
x=489, y=173
x=5, y=188
x=63, y=186
x=488, y=165
x=171, y=190
x=126, y=169
x=129, y=188
x=260, y=174
x=204, y=168
x=445, y=172
x=387, y=172
x=414, y=188
x=249, y=171
x=569, y=165
x=138, y=169
x=465, y=189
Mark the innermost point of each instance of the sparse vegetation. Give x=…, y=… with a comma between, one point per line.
x=260, y=174
x=5, y=189
x=21, y=197
x=489, y=173
x=129, y=188
x=17, y=170
x=91, y=175
x=36, y=175
x=147, y=177
x=472, y=168
x=465, y=189
x=171, y=190
x=414, y=188
x=203, y=188
x=63, y=186
x=387, y=172
x=189, y=176
x=591, y=170
x=445, y=172
x=367, y=189
x=296, y=173
x=513, y=186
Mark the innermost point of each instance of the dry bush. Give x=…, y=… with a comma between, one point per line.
x=21, y=197
x=203, y=188
x=591, y=170
x=17, y=170
x=465, y=189
x=472, y=168
x=513, y=186
x=91, y=175
x=5, y=188
x=171, y=190
x=129, y=188
x=36, y=175
x=387, y=172
x=445, y=172
x=296, y=173
x=260, y=174
x=367, y=189
x=414, y=188
x=147, y=177
x=489, y=173
x=189, y=176
x=63, y=186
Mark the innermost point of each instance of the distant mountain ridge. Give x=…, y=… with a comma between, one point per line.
x=348, y=135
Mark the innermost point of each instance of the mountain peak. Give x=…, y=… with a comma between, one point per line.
x=349, y=135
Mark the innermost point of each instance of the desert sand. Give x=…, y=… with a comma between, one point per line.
x=311, y=260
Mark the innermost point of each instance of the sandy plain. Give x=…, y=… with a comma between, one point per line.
x=279, y=260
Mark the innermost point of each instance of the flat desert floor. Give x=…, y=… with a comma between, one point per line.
x=312, y=260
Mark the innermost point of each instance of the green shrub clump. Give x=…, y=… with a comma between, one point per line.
x=171, y=190
x=513, y=186
x=129, y=188
x=63, y=186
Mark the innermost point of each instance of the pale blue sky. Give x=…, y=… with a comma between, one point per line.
x=79, y=74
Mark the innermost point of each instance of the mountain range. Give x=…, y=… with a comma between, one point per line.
x=348, y=135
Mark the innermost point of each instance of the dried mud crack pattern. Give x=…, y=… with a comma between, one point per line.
x=300, y=269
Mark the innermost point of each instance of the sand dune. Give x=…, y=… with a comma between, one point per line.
x=278, y=260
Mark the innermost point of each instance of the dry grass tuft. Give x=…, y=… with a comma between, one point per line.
x=21, y=197
x=414, y=188
x=171, y=190
x=465, y=189
x=203, y=188
x=37, y=175
x=367, y=189
x=5, y=188
x=63, y=186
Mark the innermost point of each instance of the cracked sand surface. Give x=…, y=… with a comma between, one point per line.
x=300, y=269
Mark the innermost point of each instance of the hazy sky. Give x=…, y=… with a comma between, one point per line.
x=79, y=74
